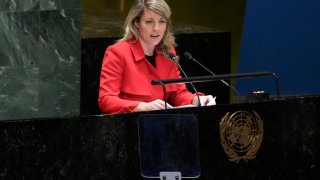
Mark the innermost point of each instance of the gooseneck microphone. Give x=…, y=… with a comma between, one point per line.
x=189, y=57
x=174, y=59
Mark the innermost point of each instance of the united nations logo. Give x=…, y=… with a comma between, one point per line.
x=241, y=134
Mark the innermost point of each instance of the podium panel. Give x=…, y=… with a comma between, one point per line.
x=276, y=139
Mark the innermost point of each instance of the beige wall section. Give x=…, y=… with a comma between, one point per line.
x=104, y=18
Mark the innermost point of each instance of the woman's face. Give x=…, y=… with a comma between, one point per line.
x=151, y=27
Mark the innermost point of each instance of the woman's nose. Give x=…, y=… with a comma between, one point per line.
x=156, y=26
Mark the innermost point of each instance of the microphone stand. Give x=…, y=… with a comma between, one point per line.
x=189, y=56
x=173, y=58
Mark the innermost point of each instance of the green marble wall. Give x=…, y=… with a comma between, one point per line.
x=40, y=42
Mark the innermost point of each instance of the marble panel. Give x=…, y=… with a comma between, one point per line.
x=19, y=33
x=19, y=5
x=59, y=62
x=40, y=63
x=32, y=5
x=60, y=4
x=107, y=146
x=19, y=72
x=19, y=92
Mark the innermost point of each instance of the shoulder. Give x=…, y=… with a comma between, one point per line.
x=119, y=52
x=119, y=46
x=119, y=49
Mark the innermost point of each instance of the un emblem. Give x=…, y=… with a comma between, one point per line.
x=241, y=134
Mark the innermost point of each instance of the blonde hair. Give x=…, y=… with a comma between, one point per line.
x=158, y=6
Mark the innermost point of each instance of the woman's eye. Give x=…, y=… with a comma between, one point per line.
x=148, y=22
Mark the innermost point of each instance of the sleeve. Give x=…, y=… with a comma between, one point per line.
x=181, y=95
x=111, y=76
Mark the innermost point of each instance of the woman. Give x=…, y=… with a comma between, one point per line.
x=139, y=57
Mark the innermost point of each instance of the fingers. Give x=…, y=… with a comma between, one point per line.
x=207, y=100
x=169, y=106
x=159, y=104
x=150, y=106
x=212, y=102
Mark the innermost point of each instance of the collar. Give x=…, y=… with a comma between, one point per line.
x=137, y=50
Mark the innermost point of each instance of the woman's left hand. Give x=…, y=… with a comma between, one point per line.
x=207, y=100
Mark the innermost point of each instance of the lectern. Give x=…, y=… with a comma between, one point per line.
x=107, y=146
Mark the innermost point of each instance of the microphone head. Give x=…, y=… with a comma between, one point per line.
x=187, y=55
x=172, y=56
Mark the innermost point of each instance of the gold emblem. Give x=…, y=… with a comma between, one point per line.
x=241, y=135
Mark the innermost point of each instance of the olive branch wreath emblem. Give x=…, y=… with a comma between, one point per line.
x=241, y=135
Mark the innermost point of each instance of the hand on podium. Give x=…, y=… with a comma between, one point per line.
x=158, y=104
x=153, y=105
x=208, y=100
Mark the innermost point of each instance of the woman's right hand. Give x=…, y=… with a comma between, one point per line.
x=151, y=106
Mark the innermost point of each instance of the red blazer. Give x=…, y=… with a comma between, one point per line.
x=126, y=76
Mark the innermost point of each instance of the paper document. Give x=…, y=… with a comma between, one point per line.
x=211, y=103
x=184, y=106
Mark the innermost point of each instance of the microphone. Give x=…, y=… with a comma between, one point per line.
x=189, y=57
x=174, y=59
